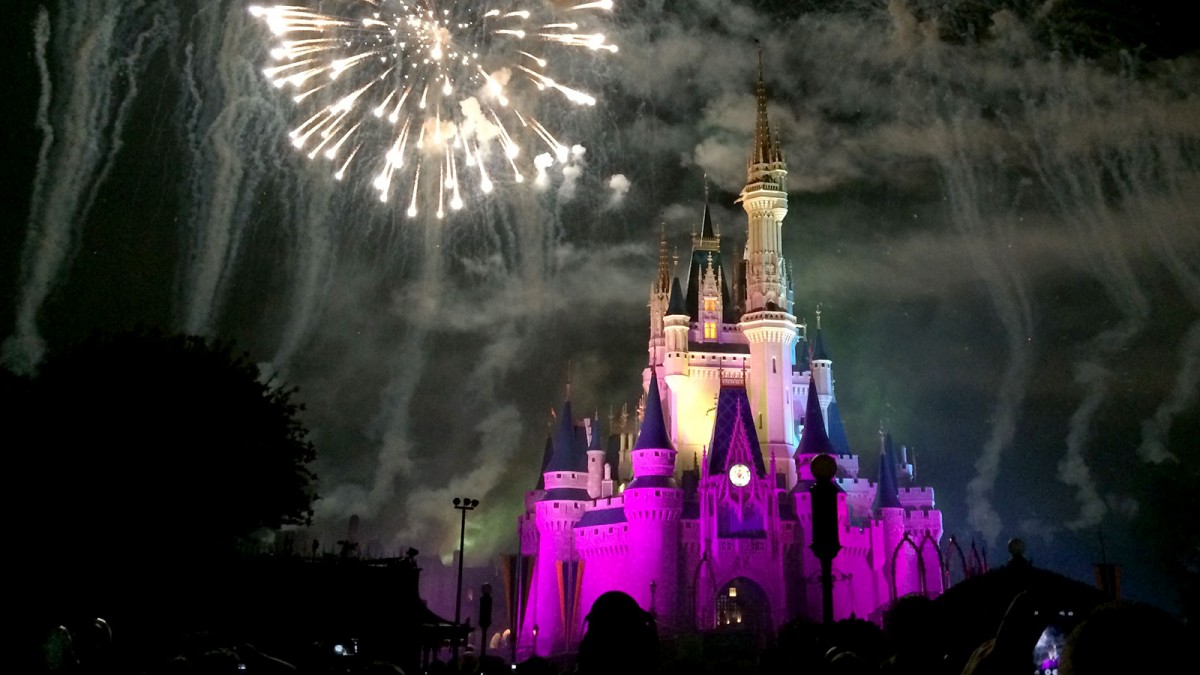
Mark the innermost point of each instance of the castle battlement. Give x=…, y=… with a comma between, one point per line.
x=916, y=497
x=602, y=541
x=924, y=520
x=565, y=479
x=532, y=498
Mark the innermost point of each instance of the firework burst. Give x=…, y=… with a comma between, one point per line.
x=429, y=98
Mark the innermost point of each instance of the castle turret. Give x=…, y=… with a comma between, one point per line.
x=821, y=366
x=898, y=561
x=653, y=506
x=675, y=329
x=768, y=324
x=549, y=628
x=596, y=459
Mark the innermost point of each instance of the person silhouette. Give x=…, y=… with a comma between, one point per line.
x=621, y=637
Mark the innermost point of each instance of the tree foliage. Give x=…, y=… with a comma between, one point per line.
x=153, y=445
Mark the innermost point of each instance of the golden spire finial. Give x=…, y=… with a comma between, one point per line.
x=818, y=316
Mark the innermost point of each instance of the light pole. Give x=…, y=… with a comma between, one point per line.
x=463, y=505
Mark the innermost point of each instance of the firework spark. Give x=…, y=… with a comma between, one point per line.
x=443, y=91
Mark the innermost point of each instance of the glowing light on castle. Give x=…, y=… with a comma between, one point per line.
x=449, y=93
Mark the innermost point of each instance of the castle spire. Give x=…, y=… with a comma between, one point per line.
x=675, y=306
x=766, y=146
x=653, y=434
x=662, y=282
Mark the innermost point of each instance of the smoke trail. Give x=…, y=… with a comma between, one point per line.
x=1008, y=289
x=231, y=133
x=313, y=267
x=82, y=122
x=1163, y=164
x=1071, y=175
x=1156, y=430
x=25, y=348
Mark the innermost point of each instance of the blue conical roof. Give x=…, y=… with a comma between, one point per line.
x=886, y=494
x=837, y=430
x=814, y=440
x=819, y=352
x=653, y=434
x=569, y=454
x=597, y=443
x=547, y=453
x=676, y=306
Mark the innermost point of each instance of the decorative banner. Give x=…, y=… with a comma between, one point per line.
x=570, y=583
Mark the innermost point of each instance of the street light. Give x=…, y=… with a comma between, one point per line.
x=463, y=505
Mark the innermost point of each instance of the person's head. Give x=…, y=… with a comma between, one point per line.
x=620, y=634
x=1124, y=637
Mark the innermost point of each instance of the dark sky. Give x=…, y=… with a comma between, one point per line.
x=996, y=205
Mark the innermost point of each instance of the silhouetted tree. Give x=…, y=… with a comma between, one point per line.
x=146, y=445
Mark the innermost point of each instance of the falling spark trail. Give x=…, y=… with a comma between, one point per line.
x=1010, y=296
x=82, y=122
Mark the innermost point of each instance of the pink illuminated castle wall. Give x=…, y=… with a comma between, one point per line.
x=705, y=518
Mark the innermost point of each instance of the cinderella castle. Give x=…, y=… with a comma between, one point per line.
x=703, y=513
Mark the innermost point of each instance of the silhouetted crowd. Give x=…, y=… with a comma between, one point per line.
x=622, y=639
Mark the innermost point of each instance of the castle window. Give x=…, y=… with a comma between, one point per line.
x=710, y=330
x=710, y=305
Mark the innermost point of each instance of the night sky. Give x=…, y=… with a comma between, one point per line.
x=996, y=205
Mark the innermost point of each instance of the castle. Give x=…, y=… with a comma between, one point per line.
x=705, y=519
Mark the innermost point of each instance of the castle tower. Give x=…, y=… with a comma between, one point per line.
x=822, y=366
x=675, y=329
x=549, y=624
x=653, y=506
x=768, y=324
x=887, y=509
x=596, y=457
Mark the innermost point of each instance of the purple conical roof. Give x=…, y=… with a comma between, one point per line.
x=814, y=440
x=653, y=434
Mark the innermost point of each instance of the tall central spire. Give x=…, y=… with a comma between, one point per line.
x=766, y=146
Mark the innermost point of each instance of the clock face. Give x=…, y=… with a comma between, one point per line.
x=739, y=475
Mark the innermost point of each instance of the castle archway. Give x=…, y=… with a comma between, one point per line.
x=742, y=605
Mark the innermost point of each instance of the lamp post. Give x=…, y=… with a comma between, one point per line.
x=825, y=542
x=463, y=505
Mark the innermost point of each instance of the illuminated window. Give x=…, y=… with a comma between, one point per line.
x=710, y=330
x=710, y=305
